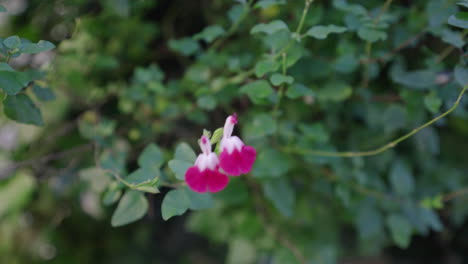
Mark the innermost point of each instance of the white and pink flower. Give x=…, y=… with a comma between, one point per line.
x=236, y=158
x=205, y=175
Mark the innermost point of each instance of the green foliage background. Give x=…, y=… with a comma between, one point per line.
x=355, y=109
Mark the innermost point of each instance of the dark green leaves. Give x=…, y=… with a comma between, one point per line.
x=178, y=201
x=185, y=46
x=322, y=32
x=22, y=109
x=278, y=79
x=151, y=157
x=281, y=194
x=183, y=159
x=40, y=46
x=419, y=80
x=401, y=178
x=266, y=66
x=11, y=82
x=131, y=208
x=12, y=42
x=459, y=20
x=257, y=90
x=400, y=230
x=210, y=33
x=461, y=75
x=269, y=28
x=371, y=34
x=43, y=94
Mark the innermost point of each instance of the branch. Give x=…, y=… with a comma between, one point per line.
x=392, y=144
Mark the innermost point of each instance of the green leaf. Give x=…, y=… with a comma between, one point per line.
x=271, y=163
x=315, y=132
x=179, y=167
x=322, y=32
x=217, y=135
x=459, y=20
x=18, y=191
x=185, y=46
x=335, y=91
x=12, y=82
x=22, y=109
x=262, y=125
x=235, y=13
x=419, y=80
x=5, y=67
x=461, y=75
x=400, y=230
x=12, y=42
x=432, y=102
x=40, y=46
x=132, y=207
x=2, y=8
x=257, y=90
x=269, y=28
x=185, y=152
x=199, y=201
x=43, y=94
x=176, y=202
x=281, y=194
x=393, y=118
x=454, y=38
x=371, y=34
x=263, y=4
x=206, y=102
x=151, y=158
x=265, y=66
x=112, y=195
x=210, y=33
x=278, y=79
x=298, y=90
x=401, y=178
x=144, y=179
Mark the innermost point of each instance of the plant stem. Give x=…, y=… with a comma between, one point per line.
x=392, y=144
x=281, y=89
x=382, y=11
x=304, y=15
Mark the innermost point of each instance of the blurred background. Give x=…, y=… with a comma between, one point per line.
x=130, y=69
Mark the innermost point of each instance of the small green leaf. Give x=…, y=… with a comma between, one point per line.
x=199, y=201
x=281, y=194
x=40, y=46
x=12, y=42
x=271, y=163
x=12, y=82
x=257, y=90
x=400, y=230
x=185, y=46
x=265, y=66
x=144, y=179
x=461, y=75
x=206, y=102
x=179, y=167
x=269, y=28
x=210, y=33
x=432, y=102
x=420, y=80
x=278, y=79
x=43, y=94
x=185, y=152
x=151, y=158
x=111, y=196
x=263, y=4
x=132, y=207
x=371, y=34
x=322, y=32
x=453, y=37
x=22, y=109
x=298, y=90
x=176, y=202
x=401, y=178
x=459, y=20
x=262, y=125
x=5, y=67
x=217, y=135
x=335, y=91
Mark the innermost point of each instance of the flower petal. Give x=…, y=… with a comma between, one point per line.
x=196, y=180
x=248, y=155
x=230, y=162
x=217, y=181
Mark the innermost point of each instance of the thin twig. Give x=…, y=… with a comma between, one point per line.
x=6, y=172
x=392, y=144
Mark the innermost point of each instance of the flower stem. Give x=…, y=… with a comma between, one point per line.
x=392, y=144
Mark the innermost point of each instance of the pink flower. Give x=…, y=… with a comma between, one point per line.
x=205, y=175
x=235, y=158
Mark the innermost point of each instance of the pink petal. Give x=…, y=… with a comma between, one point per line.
x=196, y=180
x=230, y=162
x=248, y=155
x=217, y=181
x=238, y=162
